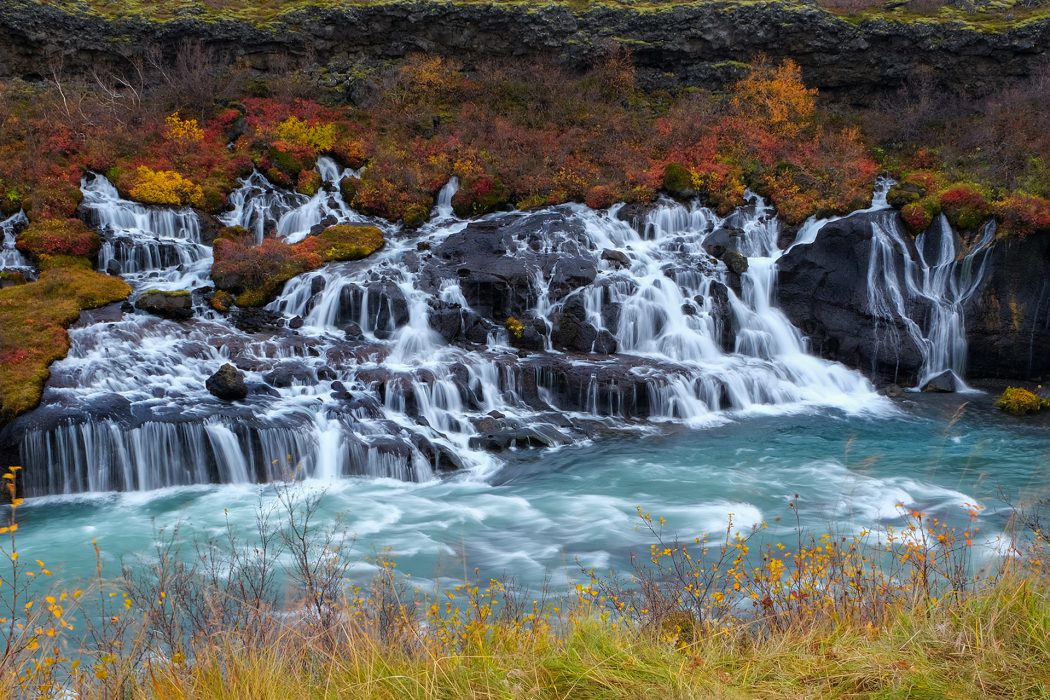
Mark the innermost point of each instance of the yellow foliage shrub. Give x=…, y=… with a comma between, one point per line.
x=165, y=187
x=317, y=137
x=186, y=130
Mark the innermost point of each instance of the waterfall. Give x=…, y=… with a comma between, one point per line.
x=157, y=246
x=443, y=208
x=926, y=292
x=10, y=258
x=259, y=207
x=402, y=365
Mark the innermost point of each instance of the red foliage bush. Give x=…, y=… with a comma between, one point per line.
x=1023, y=214
x=965, y=205
x=58, y=237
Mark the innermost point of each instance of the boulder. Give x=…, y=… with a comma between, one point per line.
x=736, y=262
x=617, y=258
x=227, y=384
x=944, y=383
x=176, y=305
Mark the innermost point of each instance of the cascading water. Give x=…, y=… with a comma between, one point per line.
x=926, y=291
x=10, y=258
x=257, y=206
x=451, y=344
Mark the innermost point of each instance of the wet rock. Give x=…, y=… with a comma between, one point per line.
x=113, y=267
x=288, y=373
x=1006, y=319
x=518, y=437
x=441, y=458
x=618, y=258
x=177, y=306
x=723, y=240
x=822, y=288
x=736, y=262
x=317, y=284
x=340, y=392
x=893, y=391
x=295, y=322
x=227, y=384
x=573, y=332
x=352, y=331
x=944, y=383
x=251, y=320
x=605, y=343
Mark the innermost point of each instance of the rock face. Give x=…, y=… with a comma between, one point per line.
x=177, y=306
x=823, y=289
x=690, y=44
x=227, y=384
x=1008, y=319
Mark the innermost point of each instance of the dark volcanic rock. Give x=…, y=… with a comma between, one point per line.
x=1008, y=318
x=174, y=305
x=227, y=384
x=943, y=383
x=822, y=288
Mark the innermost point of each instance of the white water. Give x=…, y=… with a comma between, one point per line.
x=10, y=258
x=128, y=408
x=926, y=292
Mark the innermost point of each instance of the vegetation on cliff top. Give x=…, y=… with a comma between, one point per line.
x=993, y=14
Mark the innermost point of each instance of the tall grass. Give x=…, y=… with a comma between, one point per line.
x=903, y=613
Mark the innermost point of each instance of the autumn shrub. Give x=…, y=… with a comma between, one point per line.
x=165, y=187
x=309, y=182
x=1023, y=214
x=965, y=204
x=256, y=274
x=919, y=215
x=58, y=237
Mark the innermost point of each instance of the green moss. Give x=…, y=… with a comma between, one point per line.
x=678, y=181
x=169, y=292
x=344, y=242
x=33, y=322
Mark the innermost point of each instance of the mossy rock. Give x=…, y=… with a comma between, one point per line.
x=678, y=181
x=11, y=278
x=222, y=301
x=1019, y=402
x=344, y=242
x=175, y=305
x=903, y=194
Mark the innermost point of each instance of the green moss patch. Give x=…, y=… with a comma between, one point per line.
x=345, y=242
x=33, y=322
